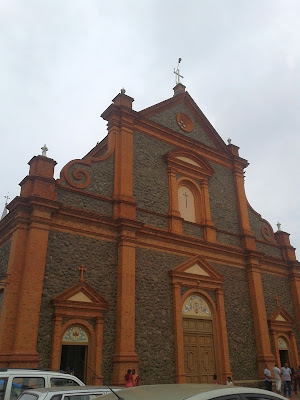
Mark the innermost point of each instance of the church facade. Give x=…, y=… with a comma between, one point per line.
x=146, y=254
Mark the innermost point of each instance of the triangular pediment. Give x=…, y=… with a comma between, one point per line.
x=197, y=269
x=182, y=115
x=280, y=316
x=80, y=296
x=81, y=292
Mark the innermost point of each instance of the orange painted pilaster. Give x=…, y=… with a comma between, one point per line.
x=178, y=333
x=288, y=251
x=125, y=356
x=247, y=236
x=24, y=348
x=120, y=119
x=294, y=278
x=295, y=358
x=9, y=311
x=209, y=229
x=175, y=220
x=263, y=346
x=222, y=335
x=274, y=349
x=56, y=343
x=98, y=353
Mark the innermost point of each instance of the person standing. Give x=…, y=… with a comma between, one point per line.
x=276, y=372
x=286, y=374
x=294, y=381
x=215, y=380
x=268, y=379
x=135, y=378
x=298, y=377
x=229, y=381
x=128, y=379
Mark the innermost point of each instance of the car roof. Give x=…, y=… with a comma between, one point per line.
x=9, y=371
x=69, y=389
x=182, y=391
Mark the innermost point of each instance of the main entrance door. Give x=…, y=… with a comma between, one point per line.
x=198, y=336
x=74, y=351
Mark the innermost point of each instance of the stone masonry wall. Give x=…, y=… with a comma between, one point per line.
x=222, y=199
x=167, y=118
x=239, y=322
x=274, y=285
x=85, y=202
x=154, y=316
x=64, y=254
x=4, y=255
x=150, y=177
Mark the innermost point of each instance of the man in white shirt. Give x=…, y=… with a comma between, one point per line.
x=276, y=372
x=268, y=380
x=286, y=374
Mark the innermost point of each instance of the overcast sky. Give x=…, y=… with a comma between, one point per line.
x=63, y=61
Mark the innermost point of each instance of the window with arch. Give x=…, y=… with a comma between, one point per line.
x=188, y=190
x=186, y=203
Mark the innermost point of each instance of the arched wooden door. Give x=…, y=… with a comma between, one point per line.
x=199, y=340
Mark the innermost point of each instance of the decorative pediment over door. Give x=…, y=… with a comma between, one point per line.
x=197, y=272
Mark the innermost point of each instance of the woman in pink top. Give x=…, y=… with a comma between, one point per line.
x=128, y=379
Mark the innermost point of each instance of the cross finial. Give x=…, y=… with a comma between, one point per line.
x=177, y=72
x=82, y=270
x=276, y=301
x=278, y=225
x=229, y=140
x=44, y=150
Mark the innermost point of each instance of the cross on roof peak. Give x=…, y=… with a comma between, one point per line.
x=177, y=72
x=44, y=150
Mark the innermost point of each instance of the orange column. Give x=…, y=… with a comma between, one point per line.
x=222, y=336
x=294, y=277
x=9, y=311
x=175, y=220
x=120, y=121
x=247, y=235
x=178, y=334
x=24, y=349
x=98, y=352
x=209, y=230
x=295, y=358
x=125, y=357
x=263, y=347
x=56, y=343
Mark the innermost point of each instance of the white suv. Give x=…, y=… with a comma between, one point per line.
x=14, y=381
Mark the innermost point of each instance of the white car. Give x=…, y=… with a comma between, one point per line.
x=66, y=393
x=192, y=392
x=14, y=381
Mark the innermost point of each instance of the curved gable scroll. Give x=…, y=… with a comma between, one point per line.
x=77, y=173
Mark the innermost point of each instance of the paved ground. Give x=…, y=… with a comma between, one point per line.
x=295, y=396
